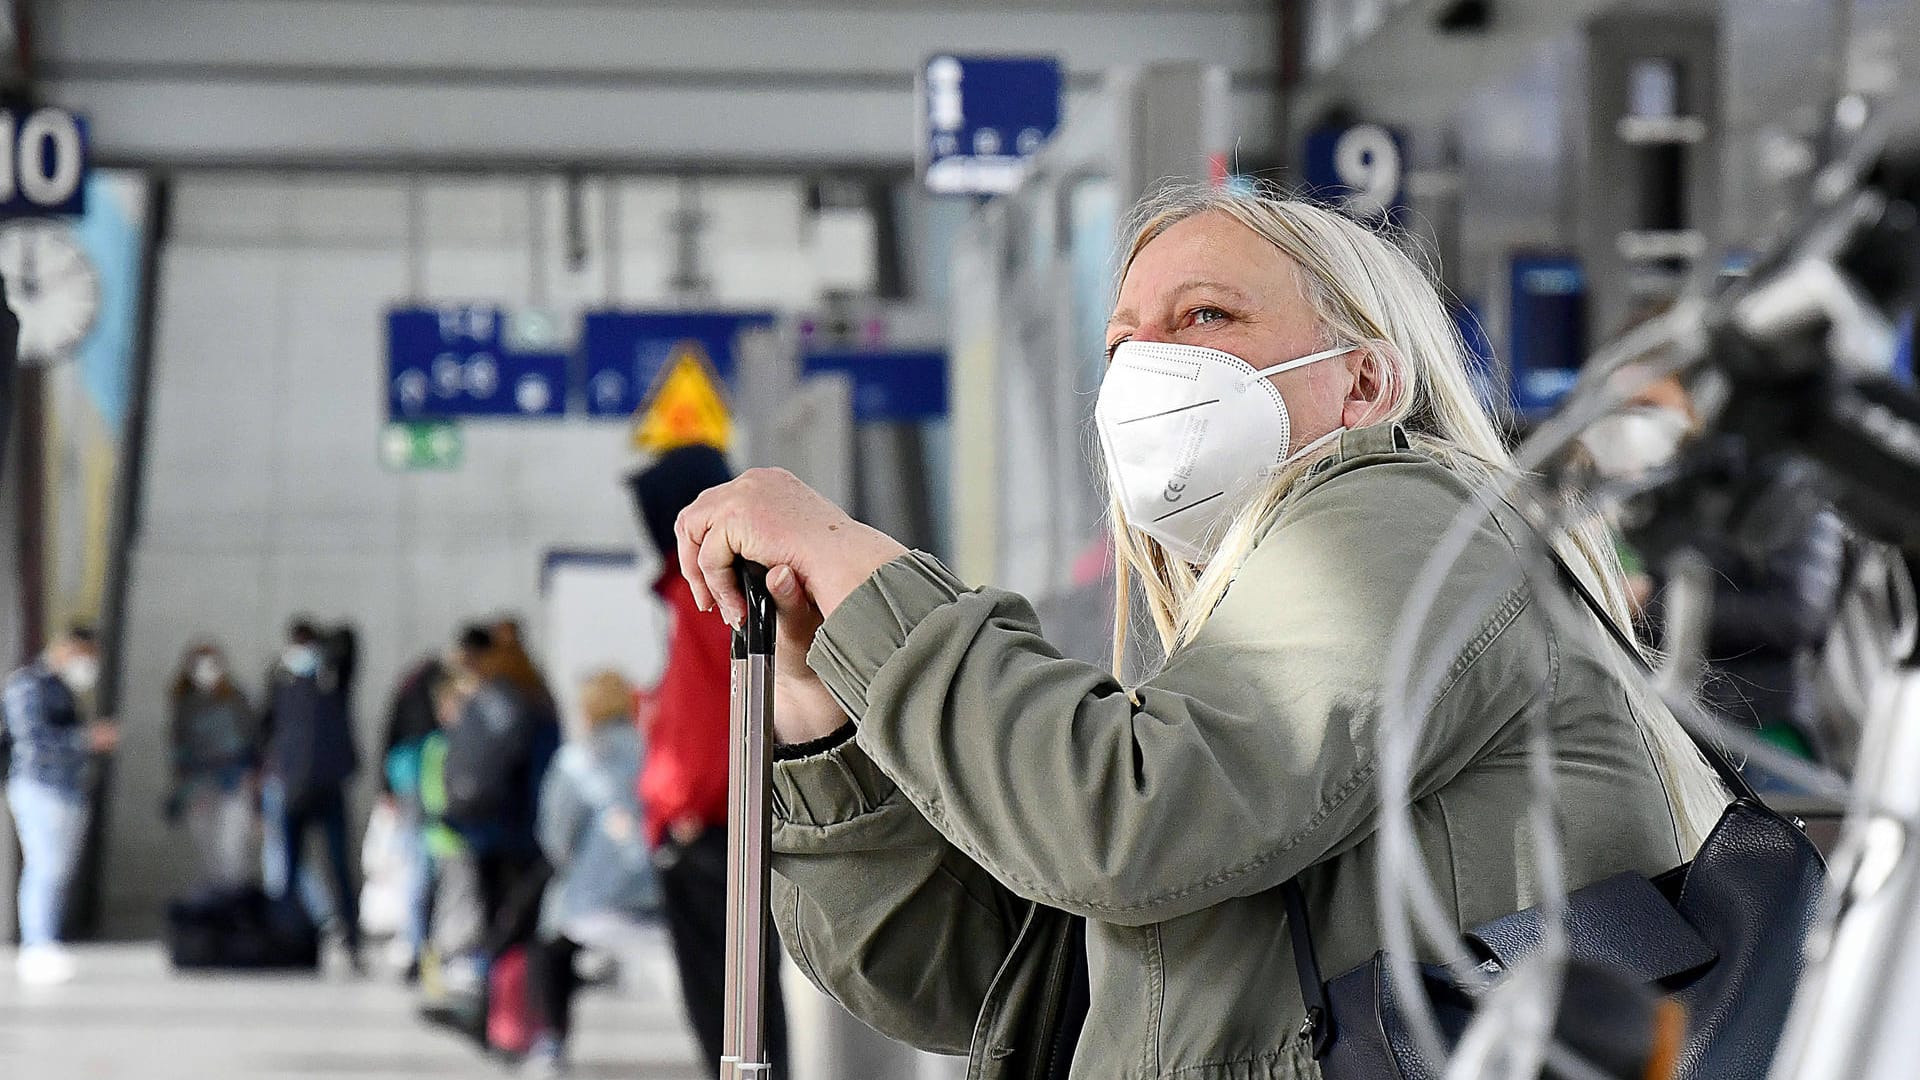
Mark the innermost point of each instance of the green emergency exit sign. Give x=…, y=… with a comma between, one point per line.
x=415, y=446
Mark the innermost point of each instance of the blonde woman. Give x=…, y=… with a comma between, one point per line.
x=1288, y=430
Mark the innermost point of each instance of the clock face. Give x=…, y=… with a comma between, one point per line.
x=51, y=286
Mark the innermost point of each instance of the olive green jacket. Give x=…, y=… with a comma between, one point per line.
x=926, y=872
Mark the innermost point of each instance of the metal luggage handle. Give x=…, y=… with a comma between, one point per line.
x=749, y=833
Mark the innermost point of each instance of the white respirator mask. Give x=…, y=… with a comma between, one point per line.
x=81, y=674
x=1191, y=434
x=1626, y=445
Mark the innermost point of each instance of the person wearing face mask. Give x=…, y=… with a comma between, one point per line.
x=983, y=847
x=49, y=744
x=1776, y=588
x=311, y=756
x=213, y=763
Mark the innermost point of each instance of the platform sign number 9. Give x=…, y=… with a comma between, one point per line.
x=1366, y=161
x=44, y=167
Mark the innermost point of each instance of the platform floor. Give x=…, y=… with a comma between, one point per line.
x=127, y=1017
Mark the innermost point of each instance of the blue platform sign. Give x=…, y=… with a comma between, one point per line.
x=982, y=118
x=1360, y=169
x=627, y=351
x=890, y=385
x=1547, y=328
x=453, y=361
x=44, y=163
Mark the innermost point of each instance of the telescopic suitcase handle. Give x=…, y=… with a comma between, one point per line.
x=749, y=832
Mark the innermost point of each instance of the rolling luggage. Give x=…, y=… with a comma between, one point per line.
x=511, y=1025
x=749, y=832
x=241, y=928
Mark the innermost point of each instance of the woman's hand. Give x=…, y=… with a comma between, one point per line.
x=803, y=709
x=770, y=517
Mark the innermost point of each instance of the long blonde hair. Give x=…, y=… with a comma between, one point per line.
x=1366, y=291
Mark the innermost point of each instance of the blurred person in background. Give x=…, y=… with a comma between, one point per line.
x=453, y=969
x=311, y=757
x=683, y=783
x=410, y=722
x=48, y=745
x=1776, y=587
x=214, y=756
x=497, y=758
x=590, y=832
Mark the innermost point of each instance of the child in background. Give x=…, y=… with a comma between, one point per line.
x=590, y=832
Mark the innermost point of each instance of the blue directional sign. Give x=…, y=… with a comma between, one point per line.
x=1547, y=327
x=626, y=351
x=891, y=385
x=44, y=171
x=453, y=361
x=1361, y=169
x=982, y=118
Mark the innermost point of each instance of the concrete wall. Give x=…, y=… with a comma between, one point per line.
x=264, y=496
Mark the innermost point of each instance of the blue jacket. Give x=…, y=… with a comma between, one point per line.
x=43, y=727
x=591, y=831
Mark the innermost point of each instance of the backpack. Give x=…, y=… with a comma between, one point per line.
x=485, y=752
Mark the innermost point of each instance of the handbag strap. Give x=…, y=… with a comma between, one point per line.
x=1313, y=989
x=1715, y=756
x=1318, y=1025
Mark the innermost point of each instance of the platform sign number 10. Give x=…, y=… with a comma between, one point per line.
x=44, y=167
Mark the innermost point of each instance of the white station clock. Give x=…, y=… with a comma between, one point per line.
x=51, y=285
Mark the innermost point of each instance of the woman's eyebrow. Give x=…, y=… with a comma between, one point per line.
x=1212, y=286
x=1126, y=315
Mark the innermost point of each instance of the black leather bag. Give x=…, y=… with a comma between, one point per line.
x=1722, y=936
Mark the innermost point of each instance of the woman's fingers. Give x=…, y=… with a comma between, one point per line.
x=688, y=531
x=715, y=560
x=799, y=618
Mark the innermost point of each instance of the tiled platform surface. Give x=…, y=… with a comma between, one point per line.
x=127, y=1017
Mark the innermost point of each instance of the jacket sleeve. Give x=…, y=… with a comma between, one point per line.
x=562, y=814
x=1791, y=602
x=878, y=909
x=1247, y=759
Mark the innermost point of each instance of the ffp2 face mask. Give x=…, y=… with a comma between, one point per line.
x=1189, y=434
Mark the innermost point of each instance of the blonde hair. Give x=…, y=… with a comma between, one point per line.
x=606, y=697
x=1366, y=291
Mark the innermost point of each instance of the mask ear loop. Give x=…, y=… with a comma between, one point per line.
x=1311, y=358
x=1289, y=365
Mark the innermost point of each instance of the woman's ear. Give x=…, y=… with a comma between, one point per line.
x=1371, y=392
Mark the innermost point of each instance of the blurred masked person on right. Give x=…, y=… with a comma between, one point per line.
x=964, y=817
x=312, y=756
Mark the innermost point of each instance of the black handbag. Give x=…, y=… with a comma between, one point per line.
x=1721, y=936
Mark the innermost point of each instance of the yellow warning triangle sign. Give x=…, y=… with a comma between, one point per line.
x=687, y=408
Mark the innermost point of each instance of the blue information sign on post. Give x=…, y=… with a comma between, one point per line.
x=1546, y=326
x=890, y=385
x=982, y=118
x=453, y=361
x=626, y=351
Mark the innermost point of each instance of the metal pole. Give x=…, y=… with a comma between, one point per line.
x=749, y=833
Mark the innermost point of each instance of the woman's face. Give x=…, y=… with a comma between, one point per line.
x=1213, y=282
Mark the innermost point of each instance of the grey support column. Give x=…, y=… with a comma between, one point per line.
x=1650, y=192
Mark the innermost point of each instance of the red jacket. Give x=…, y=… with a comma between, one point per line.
x=685, y=775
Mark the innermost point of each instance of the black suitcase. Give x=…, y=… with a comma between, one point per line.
x=241, y=928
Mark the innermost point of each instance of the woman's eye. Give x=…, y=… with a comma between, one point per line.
x=1205, y=315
